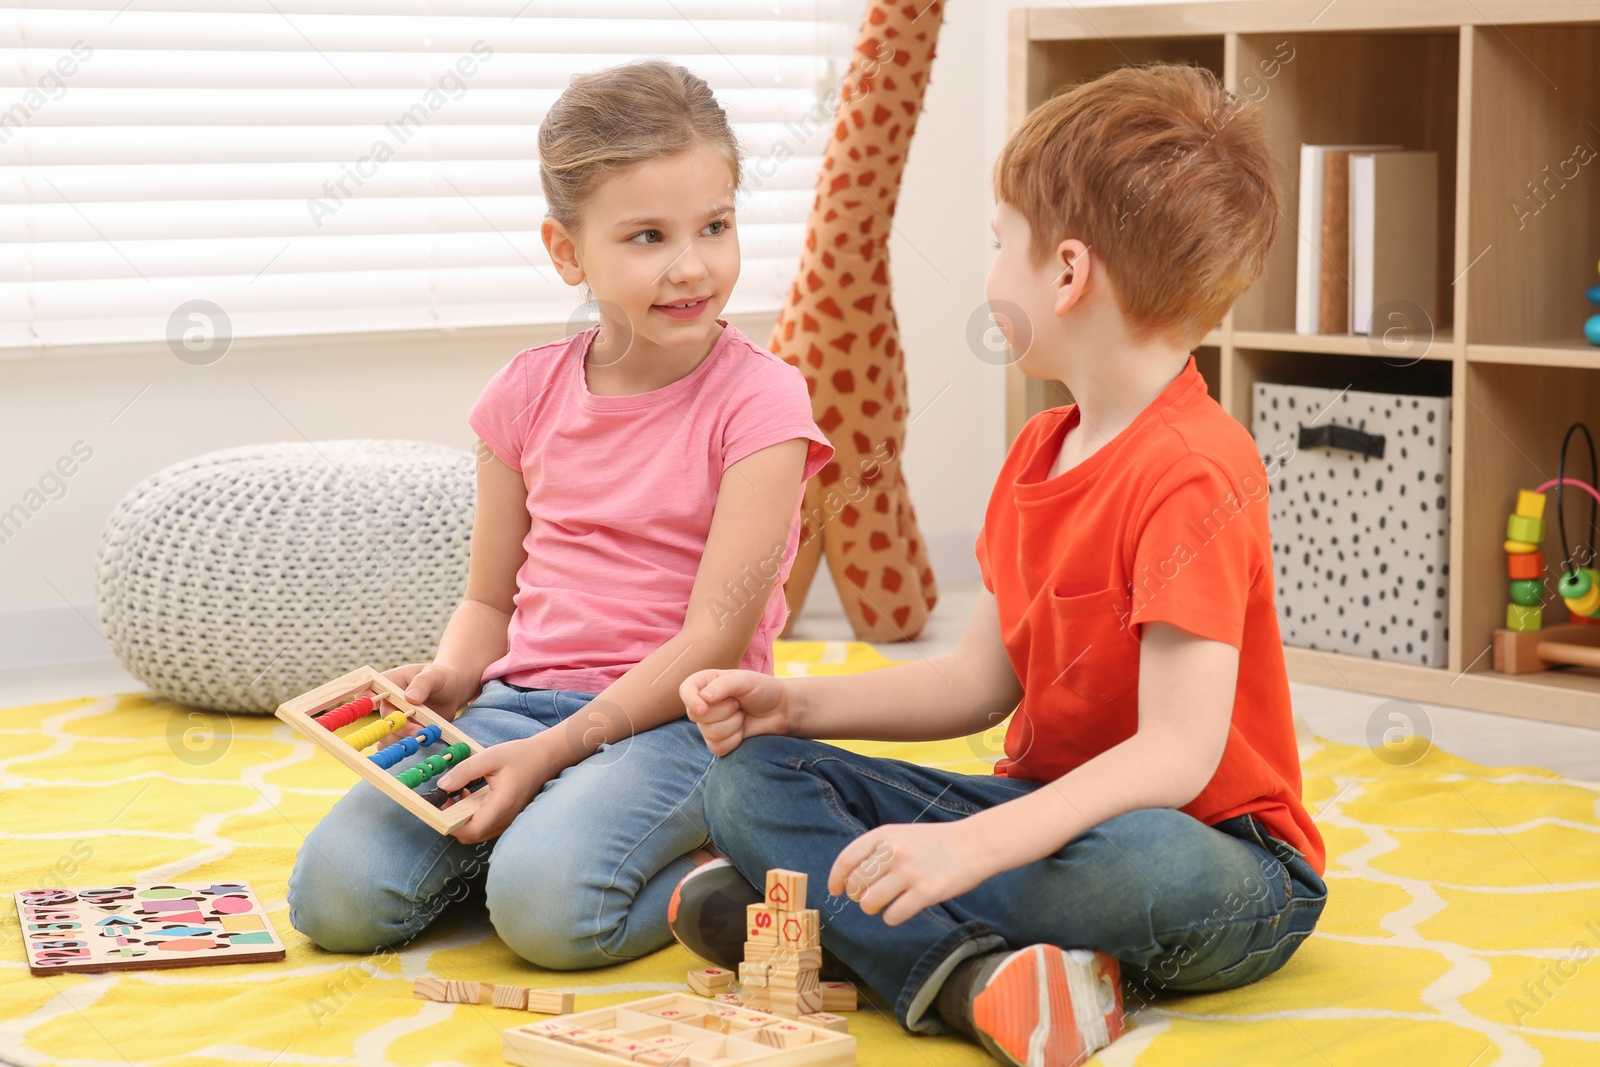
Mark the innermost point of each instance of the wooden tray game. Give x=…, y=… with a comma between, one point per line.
x=675, y=1030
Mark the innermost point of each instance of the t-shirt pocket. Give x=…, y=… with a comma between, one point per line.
x=1094, y=653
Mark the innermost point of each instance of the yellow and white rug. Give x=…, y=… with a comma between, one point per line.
x=1462, y=925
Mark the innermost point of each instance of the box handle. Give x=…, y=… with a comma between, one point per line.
x=1346, y=437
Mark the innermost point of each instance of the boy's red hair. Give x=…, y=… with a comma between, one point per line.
x=1166, y=175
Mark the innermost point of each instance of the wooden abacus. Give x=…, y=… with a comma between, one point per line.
x=378, y=709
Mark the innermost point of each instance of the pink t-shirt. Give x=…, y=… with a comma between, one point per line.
x=621, y=490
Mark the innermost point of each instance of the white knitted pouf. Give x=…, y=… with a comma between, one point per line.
x=241, y=578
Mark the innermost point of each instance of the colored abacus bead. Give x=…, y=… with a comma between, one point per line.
x=371, y=735
x=434, y=765
x=1522, y=528
x=1528, y=593
x=406, y=746
x=1521, y=548
x=1526, y=565
x=345, y=714
x=1529, y=503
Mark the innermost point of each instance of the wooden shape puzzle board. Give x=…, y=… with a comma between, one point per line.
x=690, y=1029
x=301, y=713
x=132, y=927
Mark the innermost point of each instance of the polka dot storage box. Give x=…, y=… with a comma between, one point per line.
x=1360, y=513
x=239, y=579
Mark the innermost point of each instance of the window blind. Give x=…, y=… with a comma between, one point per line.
x=338, y=166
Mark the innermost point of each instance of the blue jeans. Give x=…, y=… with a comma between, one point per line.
x=581, y=877
x=1182, y=905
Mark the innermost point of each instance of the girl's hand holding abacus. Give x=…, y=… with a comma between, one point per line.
x=730, y=706
x=437, y=686
x=515, y=772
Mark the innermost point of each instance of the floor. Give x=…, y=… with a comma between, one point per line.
x=1331, y=713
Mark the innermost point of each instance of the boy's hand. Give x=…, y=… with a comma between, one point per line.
x=730, y=706
x=901, y=868
x=515, y=771
x=436, y=686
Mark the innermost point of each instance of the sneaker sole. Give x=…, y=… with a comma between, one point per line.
x=707, y=912
x=1049, y=1007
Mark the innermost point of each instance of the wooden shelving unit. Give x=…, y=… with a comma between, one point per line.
x=1501, y=89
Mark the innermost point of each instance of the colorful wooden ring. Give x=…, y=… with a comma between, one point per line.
x=1523, y=619
x=1526, y=565
x=1529, y=503
x=1574, y=585
x=1521, y=548
x=1527, y=592
x=1522, y=528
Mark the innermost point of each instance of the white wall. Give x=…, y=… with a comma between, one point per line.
x=139, y=411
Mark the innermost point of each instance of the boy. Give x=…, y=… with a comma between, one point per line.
x=1146, y=819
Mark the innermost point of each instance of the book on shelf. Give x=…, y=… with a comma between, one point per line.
x=1394, y=235
x=1322, y=280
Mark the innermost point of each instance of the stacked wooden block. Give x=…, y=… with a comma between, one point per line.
x=782, y=950
x=522, y=998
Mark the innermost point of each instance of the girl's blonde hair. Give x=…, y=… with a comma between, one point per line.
x=612, y=119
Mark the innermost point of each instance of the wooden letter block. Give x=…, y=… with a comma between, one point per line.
x=761, y=925
x=430, y=989
x=511, y=996
x=784, y=958
x=548, y=1028
x=760, y=951
x=730, y=999
x=709, y=981
x=784, y=1035
x=828, y=1021
x=678, y=1015
x=786, y=890
x=798, y=929
x=753, y=974
x=468, y=992
x=549, y=1002
x=838, y=996
x=791, y=981
x=576, y=1035
x=793, y=1004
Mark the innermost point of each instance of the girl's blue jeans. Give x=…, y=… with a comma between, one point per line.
x=1183, y=906
x=581, y=877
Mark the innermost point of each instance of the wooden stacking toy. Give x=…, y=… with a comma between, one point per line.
x=372, y=710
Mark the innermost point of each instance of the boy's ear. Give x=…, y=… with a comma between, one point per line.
x=563, y=251
x=1072, y=278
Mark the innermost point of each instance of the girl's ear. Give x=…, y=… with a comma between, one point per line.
x=1072, y=279
x=563, y=251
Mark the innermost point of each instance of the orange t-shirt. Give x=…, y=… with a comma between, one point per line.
x=1166, y=522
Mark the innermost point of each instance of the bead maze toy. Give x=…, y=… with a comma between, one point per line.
x=371, y=710
x=1526, y=644
x=677, y=1029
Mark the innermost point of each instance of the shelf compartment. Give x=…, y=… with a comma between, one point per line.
x=1534, y=220
x=1380, y=87
x=1514, y=422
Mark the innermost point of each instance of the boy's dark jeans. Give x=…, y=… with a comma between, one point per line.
x=1184, y=906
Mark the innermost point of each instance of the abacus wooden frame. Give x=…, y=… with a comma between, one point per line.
x=299, y=713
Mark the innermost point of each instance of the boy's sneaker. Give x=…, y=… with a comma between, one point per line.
x=707, y=912
x=1044, y=1006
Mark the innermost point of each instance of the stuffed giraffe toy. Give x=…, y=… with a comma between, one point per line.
x=838, y=327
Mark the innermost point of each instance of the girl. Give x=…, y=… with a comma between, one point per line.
x=639, y=490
